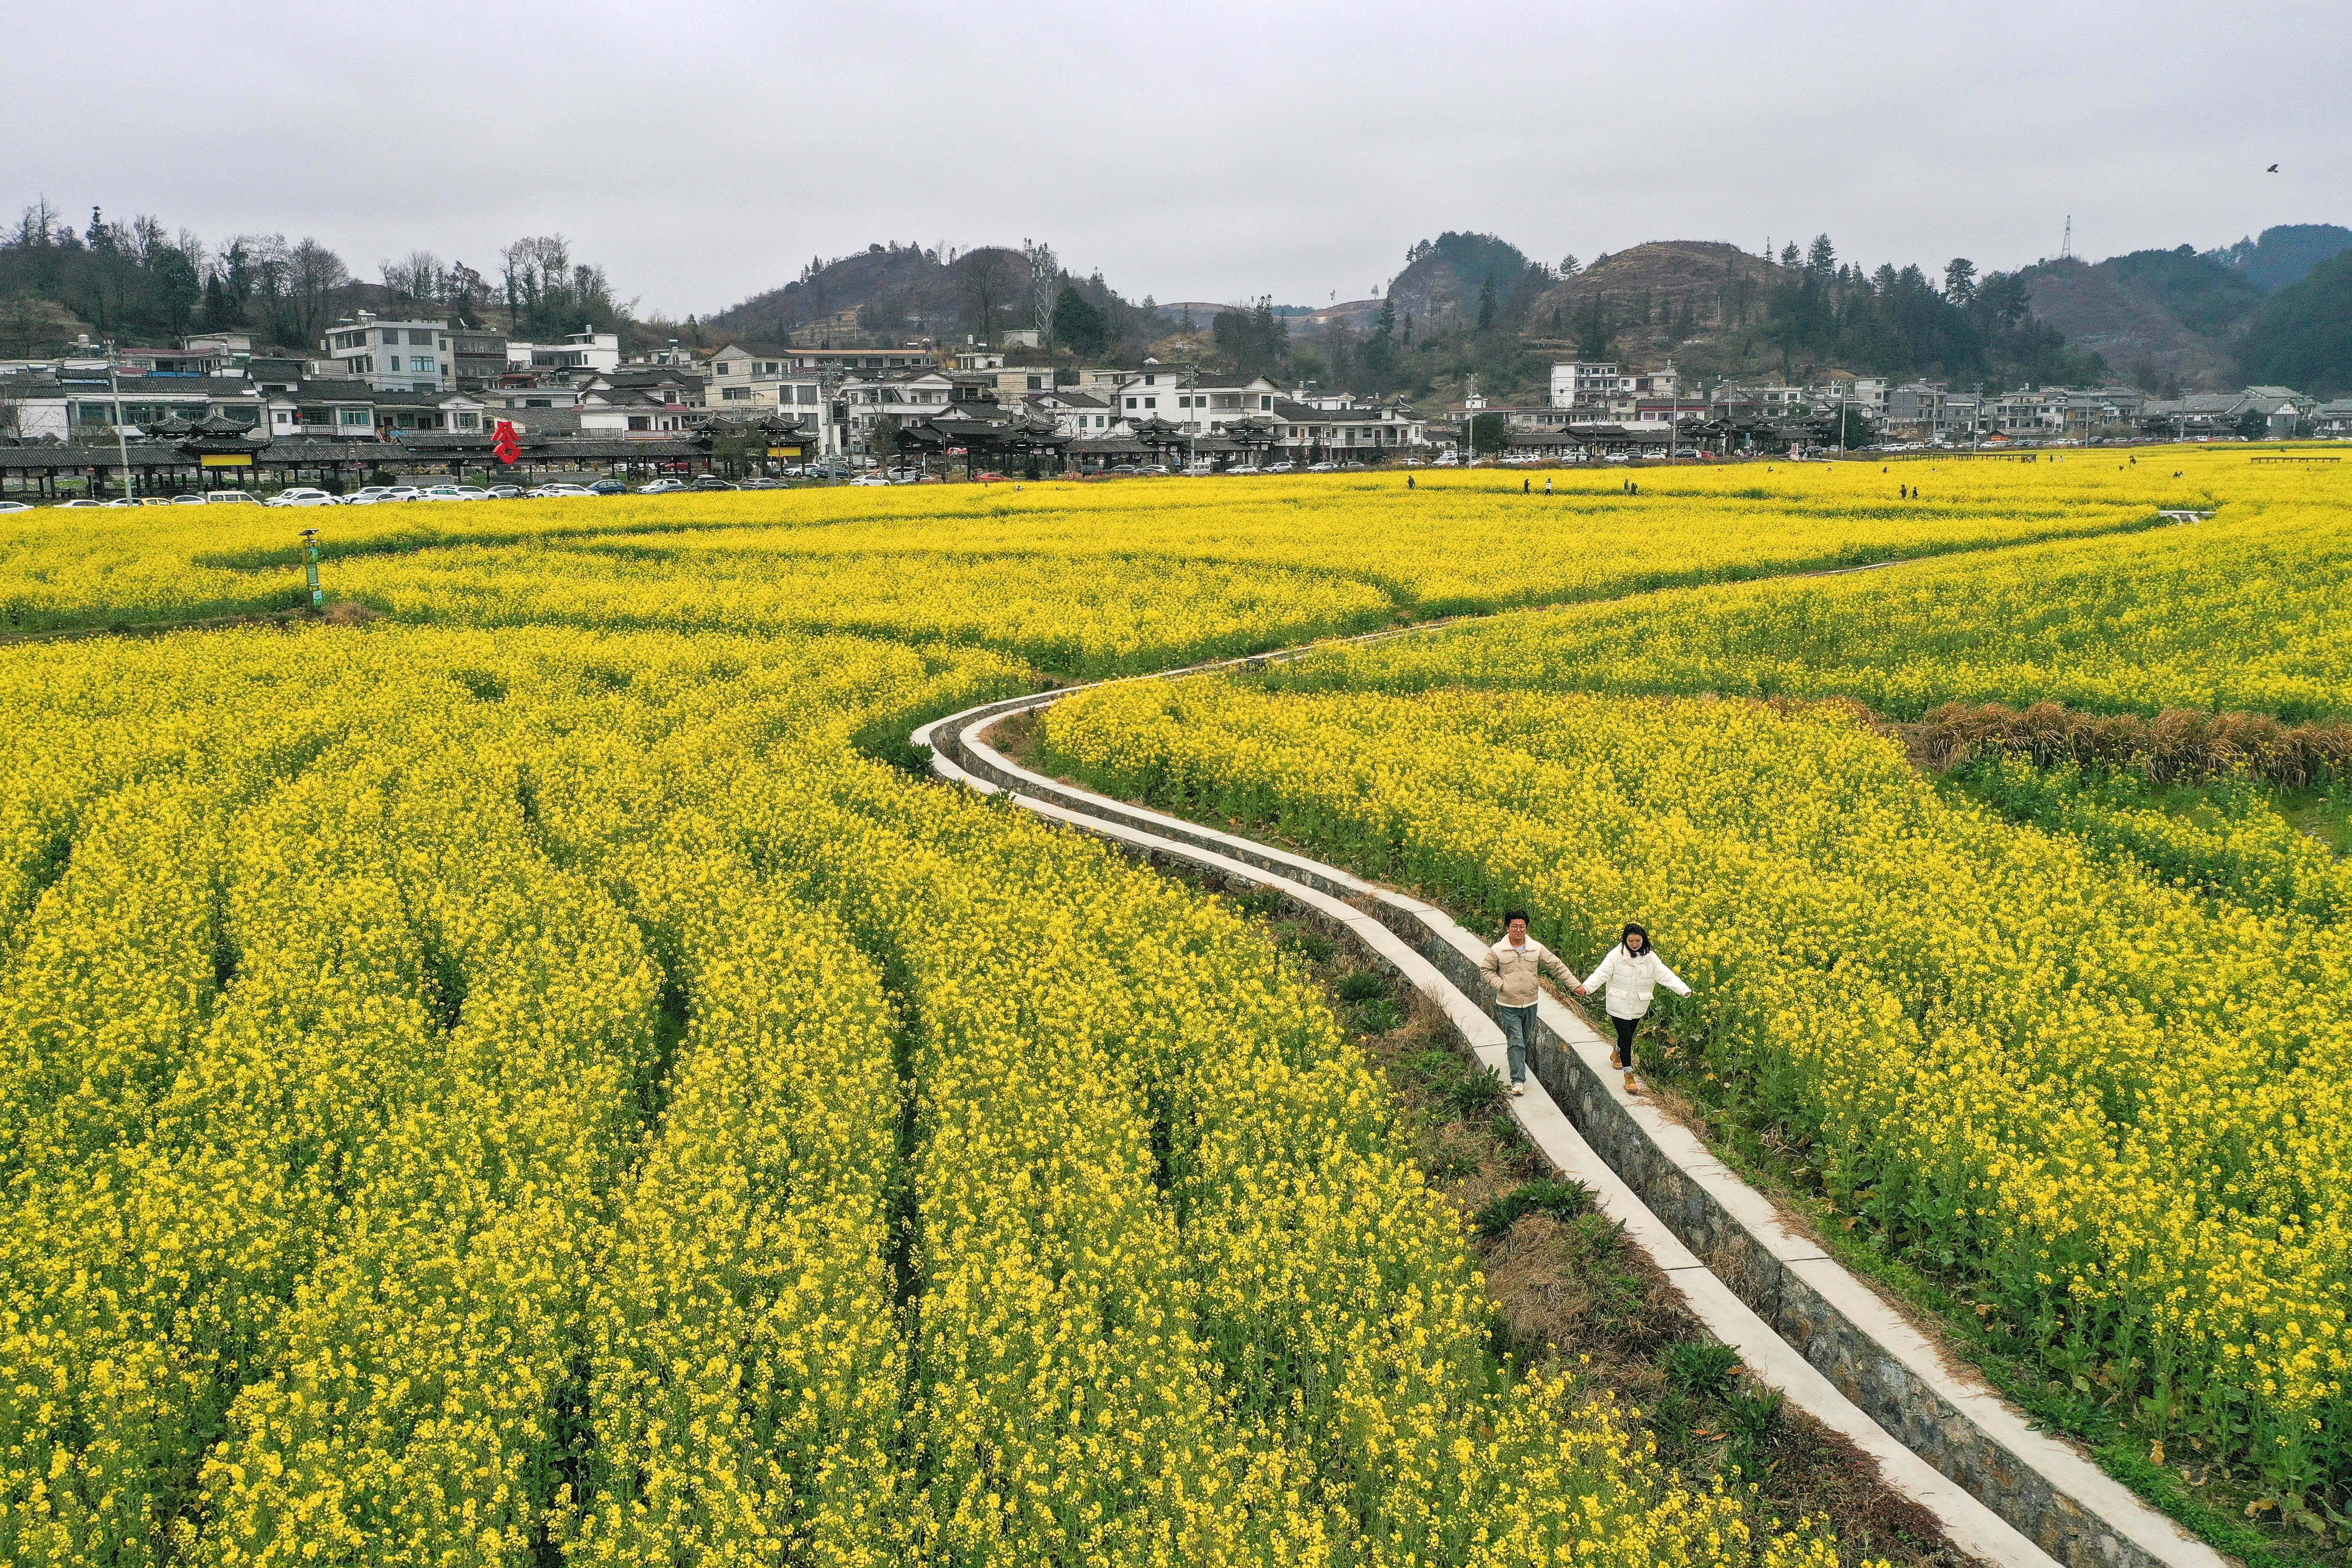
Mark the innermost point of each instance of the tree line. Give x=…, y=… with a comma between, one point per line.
x=135, y=282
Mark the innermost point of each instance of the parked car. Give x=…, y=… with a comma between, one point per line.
x=506, y=492
x=231, y=498
x=710, y=482
x=302, y=495
x=457, y=492
x=609, y=488
x=8, y=506
x=869, y=479
x=81, y=500
x=1282, y=468
x=1322, y=468
x=559, y=492
x=660, y=487
x=187, y=500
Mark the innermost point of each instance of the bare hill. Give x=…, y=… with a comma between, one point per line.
x=1652, y=296
x=1668, y=297
x=896, y=288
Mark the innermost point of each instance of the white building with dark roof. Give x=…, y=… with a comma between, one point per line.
x=393, y=356
x=1075, y=414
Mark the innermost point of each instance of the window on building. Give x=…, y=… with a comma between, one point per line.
x=1131, y=403
x=807, y=394
x=348, y=417
x=420, y=339
x=1151, y=403
x=465, y=421
x=641, y=422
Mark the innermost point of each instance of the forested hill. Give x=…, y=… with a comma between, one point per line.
x=1717, y=310
x=2180, y=319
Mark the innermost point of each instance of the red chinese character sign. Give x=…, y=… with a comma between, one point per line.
x=503, y=447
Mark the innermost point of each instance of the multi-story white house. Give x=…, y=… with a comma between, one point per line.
x=393, y=356
x=909, y=394
x=324, y=410
x=743, y=379
x=1305, y=432
x=1589, y=383
x=1199, y=403
x=578, y=351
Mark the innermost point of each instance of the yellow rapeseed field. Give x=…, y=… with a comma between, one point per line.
x=2112, y=1109
x=476, y=1094
x=519, y=1079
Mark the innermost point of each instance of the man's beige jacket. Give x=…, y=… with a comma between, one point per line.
x=1513, y=971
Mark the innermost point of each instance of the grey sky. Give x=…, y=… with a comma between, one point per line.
x=702, y=152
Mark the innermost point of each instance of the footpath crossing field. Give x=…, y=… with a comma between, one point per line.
x=531, y=1076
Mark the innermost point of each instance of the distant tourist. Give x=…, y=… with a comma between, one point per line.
x=1632, y=974
x=1511, y=965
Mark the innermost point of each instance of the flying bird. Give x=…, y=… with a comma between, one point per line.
x=2271, y=170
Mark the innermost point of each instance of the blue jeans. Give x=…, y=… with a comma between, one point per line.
x=1518, y=1033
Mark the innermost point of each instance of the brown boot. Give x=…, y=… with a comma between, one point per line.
x=1633, y=1084
x=1616, y=1058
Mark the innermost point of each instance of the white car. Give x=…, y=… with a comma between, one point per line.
x=457, y=492
x=303, y=496
x=554, y=492
x=7, y=506
x=661, y=487
x=231, y=498
x=869, y=479
x=1282, y=468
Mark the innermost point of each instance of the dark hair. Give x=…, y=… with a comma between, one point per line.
x=1623, y=936
x=1510, y=915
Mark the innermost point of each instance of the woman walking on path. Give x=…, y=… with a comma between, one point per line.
x=1512, y=965
x=1632, y=972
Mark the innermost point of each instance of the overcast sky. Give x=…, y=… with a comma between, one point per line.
x=702, y=152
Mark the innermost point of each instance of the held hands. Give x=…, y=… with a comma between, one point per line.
x=1581, y=992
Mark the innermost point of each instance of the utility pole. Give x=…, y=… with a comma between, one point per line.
x=121, y=441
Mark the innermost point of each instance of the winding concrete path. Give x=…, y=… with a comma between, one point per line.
x=1803, y=1323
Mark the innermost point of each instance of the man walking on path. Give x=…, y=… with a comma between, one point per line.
x=1632, y=971
x=1511, y=966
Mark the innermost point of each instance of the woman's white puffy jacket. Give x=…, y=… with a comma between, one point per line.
x=1632, y=979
